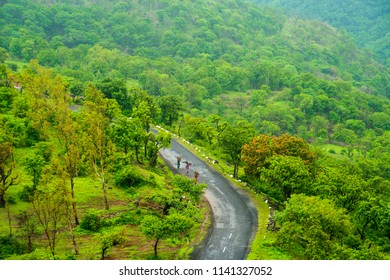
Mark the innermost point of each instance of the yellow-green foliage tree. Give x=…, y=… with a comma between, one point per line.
x=97, y=115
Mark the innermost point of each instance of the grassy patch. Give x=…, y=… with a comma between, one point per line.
x=338, y=151
x=264, y=248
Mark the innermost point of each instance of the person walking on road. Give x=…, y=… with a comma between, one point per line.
x=196, y=175
x=187, y=167
x=178, y=162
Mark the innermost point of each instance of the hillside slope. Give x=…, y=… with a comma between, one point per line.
x=367, y=21
x=235, y=32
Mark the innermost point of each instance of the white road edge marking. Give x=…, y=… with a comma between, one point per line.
x=224, y=250
x=230, y=236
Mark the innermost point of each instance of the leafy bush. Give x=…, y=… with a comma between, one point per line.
x=10, y=246
x=26, y=193
x=45, y=150
x=111, y=239
x=37, y=254
x=91, y=222
x=6, y=98
x=131, y=217
x=11, y=199
x=128, y=177
x=12, y=66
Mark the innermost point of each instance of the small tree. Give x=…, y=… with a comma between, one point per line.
x=49, y=207
x=34, y=166
x=173, y=225
x=186, y=186
x=128, y=133
x=109, y=240
x=28, y=226
x=157, y=142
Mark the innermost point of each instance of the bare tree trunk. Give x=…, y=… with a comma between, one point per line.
x=75, y=247
x=76, y=218
x=104, y=250
x=29, y=244
x=105, y=196
x=2, y=201
x=235, y=172
x=71, y=232
x=104, y=190
x=101, y=175
x=9, y=219
x=137, y=155
x=155, y=247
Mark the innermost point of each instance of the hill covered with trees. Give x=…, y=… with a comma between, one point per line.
x=368, y=22
x=294, y=102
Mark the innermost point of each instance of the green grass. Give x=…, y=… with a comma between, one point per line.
x=338, y=151
x=337, y=148
x=264, y=248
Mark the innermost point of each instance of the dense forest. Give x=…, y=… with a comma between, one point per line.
x=293, y=107
x=367, y=21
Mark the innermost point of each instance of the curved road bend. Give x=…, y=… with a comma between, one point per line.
x=234, y=215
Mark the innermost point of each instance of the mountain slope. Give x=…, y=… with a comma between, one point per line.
x=232, y=31
x=367, y=21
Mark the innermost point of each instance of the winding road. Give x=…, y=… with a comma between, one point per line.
x=234, y=215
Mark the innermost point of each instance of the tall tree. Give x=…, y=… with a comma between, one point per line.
x=115, y=89
x=49, y=207
x=68, y=134
x=144, y=107
x=155, y=143
x=34, y=166
x=51, y=116
x=97, y=114
x=232, y=139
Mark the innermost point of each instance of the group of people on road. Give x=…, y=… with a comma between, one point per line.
x=187, y=168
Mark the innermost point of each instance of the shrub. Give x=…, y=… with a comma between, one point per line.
x=10, y=246
x=11, y=199
x=26, y=193
x=91, y=222
x=37, y=254
x=45, y=150
x=131, y=217
x=6, y=98
x=128, y=177
x=109, y=240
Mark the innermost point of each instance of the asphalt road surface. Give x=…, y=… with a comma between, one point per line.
x=234, y=215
